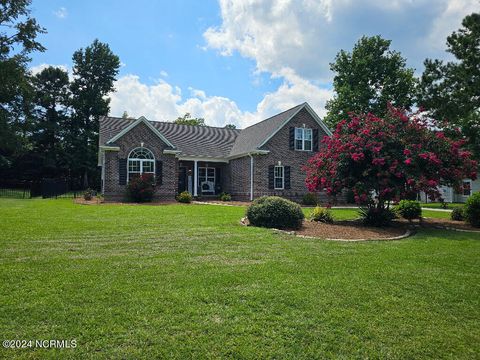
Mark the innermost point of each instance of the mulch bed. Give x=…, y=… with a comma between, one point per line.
x=94, y=201
x=349, y=230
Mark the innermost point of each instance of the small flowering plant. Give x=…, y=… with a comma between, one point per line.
x=388, y=159
x=142, y=188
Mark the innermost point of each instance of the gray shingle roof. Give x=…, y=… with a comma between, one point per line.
x=205, y=141
x=252, y=137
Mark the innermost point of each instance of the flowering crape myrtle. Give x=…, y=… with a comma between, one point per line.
x=388, y=159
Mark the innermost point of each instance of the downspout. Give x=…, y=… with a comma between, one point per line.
x=251, y=176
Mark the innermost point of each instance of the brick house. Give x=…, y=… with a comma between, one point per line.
x=263, y=159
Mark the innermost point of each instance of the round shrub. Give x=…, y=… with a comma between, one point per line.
x=275, y=212
x=321, y=214
x=472, y=210
x=225, y=197
x=457, y=214
x=409, y=209
x=310, y=198
x=185, y=197
x=142, y=188
x=379, y=217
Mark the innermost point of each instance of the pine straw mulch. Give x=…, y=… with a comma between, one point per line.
x=446, y=224
x=349, y=230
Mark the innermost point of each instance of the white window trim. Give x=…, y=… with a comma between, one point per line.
x=275, y=177
x=304, y=131
x=467, y=181
x=141, y=163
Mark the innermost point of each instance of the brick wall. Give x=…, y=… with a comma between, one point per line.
x=131, y=140
x=280, y=151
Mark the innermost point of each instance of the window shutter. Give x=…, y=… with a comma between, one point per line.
x=315, y=140
x=122, y=171
x=271, y=170
x=158, y=172
x=292, y=138
x=286, y=169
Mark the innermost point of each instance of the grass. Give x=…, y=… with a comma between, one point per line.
x=187, y=281
x=439, y=205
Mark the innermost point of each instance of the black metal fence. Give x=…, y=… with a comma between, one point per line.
x=45, y=188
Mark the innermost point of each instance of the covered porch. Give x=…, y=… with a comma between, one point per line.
x=202, y=178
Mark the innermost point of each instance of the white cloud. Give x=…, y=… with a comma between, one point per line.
x=38, y=68
x=163, y=73
x=61, y=13
x=305, y=35
x=164, y=102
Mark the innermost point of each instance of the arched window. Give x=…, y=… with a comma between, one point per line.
x=140, y=161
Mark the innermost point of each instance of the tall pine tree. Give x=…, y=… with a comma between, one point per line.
x=451, y=91
x=95, y=69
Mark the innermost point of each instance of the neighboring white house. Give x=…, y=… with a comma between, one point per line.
x=449, y=195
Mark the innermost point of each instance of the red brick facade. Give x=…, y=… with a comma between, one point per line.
x=234, y=176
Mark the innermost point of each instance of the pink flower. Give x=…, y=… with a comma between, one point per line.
x=424, y=156
x=410, y=181
x=408, y=161
x=378, y=161
x=432, y=183
x=358, y=156
x=407, y=152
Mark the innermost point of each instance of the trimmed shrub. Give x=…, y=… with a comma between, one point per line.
x=321, y=214
x=185, y=197
x=472, y=210
x=458, y=214
x=225, y=197
x=142, y=188
x=88, y=194
x=372, y=216
x=275, y=212
x=310, y=198
x=409, y=209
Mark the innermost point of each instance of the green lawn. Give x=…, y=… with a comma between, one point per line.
x=439, y=205
x=187, y=281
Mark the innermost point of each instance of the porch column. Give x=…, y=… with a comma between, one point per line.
x=195, y=178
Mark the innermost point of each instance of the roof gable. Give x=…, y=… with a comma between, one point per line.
x=140, y=120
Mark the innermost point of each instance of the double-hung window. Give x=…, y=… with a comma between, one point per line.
x=303, y=139
x=279, y=178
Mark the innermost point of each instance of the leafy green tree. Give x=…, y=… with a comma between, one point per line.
x=451, y=91
x=18, y=33
x=230, y=126
x=95, y=69
x=188, y=120
x=50, y=115
x=367, y=79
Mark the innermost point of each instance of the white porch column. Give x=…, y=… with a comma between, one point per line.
x=195, y=178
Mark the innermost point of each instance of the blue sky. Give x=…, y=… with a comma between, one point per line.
x=236, y=61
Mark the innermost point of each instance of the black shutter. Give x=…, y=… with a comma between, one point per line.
x=218, y=181
x=271, y=170
x=286, y=169
x=292, y=138
x=315, y=140
x=159, y=172
x=122, y=171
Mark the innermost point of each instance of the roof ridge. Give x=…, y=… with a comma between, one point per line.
x=280, y=113
x=171, y=122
